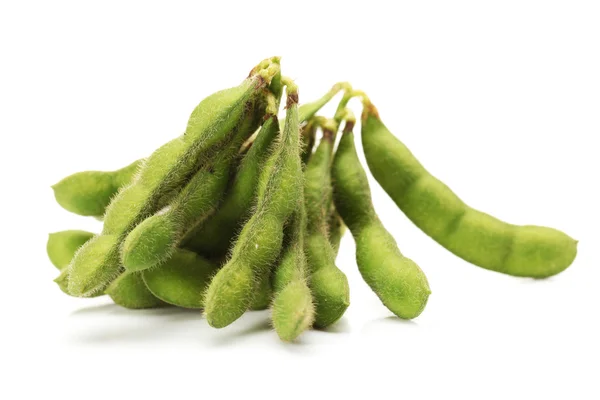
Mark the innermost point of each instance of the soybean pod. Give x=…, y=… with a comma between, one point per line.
x=62, y=246
x=397, y=280
x=210, y=128
x=181, y=280
x=152, y=242
x=292, y=310
x=328, y=283
x=527, y=250
x=233, y=288
x=88, y=193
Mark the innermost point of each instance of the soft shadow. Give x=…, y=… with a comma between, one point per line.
x=234, y=334
x=378, y=323
x=341, y=326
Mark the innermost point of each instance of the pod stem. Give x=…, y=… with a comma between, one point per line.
x=291, y=89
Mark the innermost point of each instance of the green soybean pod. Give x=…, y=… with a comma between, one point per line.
x=62, y=246
x=328, y=283
x=153, y=241
x=232, y=289
x=211, y=126
x=397, y=280
x=292, y=310
x=129, y=291
x=88, y=193
x=181, y=280
x=214, y=235
x=528, y=251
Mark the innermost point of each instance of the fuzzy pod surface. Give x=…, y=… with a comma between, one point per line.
x=62, y=246
x=232, y=290
x=182, y=280
x=88, y=193
x=527, y=250
x=329, y=285
x=130, y=291
x=398, y=282
x=210, y=127
x=292, y=310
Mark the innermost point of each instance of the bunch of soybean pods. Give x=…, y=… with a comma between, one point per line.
x=244, y=212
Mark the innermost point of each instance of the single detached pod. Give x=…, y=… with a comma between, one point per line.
x=397, y=280
x=530, y=251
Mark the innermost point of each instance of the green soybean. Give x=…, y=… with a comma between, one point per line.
x=232, y=290
x=292, y=310
x=328, y=283
x=213, y=237
x=528, y=251
x=62, y=246
x=211, y=127
x=397, y=280
x=129, y=291
x=152, y=242
x=181, y=280
x=88, y=193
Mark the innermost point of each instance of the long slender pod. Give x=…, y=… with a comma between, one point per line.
x=233, y=288
x=211, y=127
x=397, y=280
x=292, y=310
x=529, y=251
x=329, y=284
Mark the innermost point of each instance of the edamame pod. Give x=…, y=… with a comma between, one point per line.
x=329, y=285
x=129, y=291
x=62, y=246
x=214, y=235
x=292, y=310
x=232, y=290
x=397, y=280
x=152, y=242
x=88, y=193
x=181, y=280
x=528, y=251
x=211, y=127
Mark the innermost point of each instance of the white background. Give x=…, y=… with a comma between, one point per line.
x=498, y=99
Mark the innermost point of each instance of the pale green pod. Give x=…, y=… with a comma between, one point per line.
x=62, y=246
x=63, y=282
x=529, y=251
x=292, y=310
x=329, y=285
x=211, y=126
x=214, y=235
x=182, y=280
x=130, y=291
x=88, y=193
x=153, y=241
x=233, y=288
x=88, y=271
x=398, y=281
